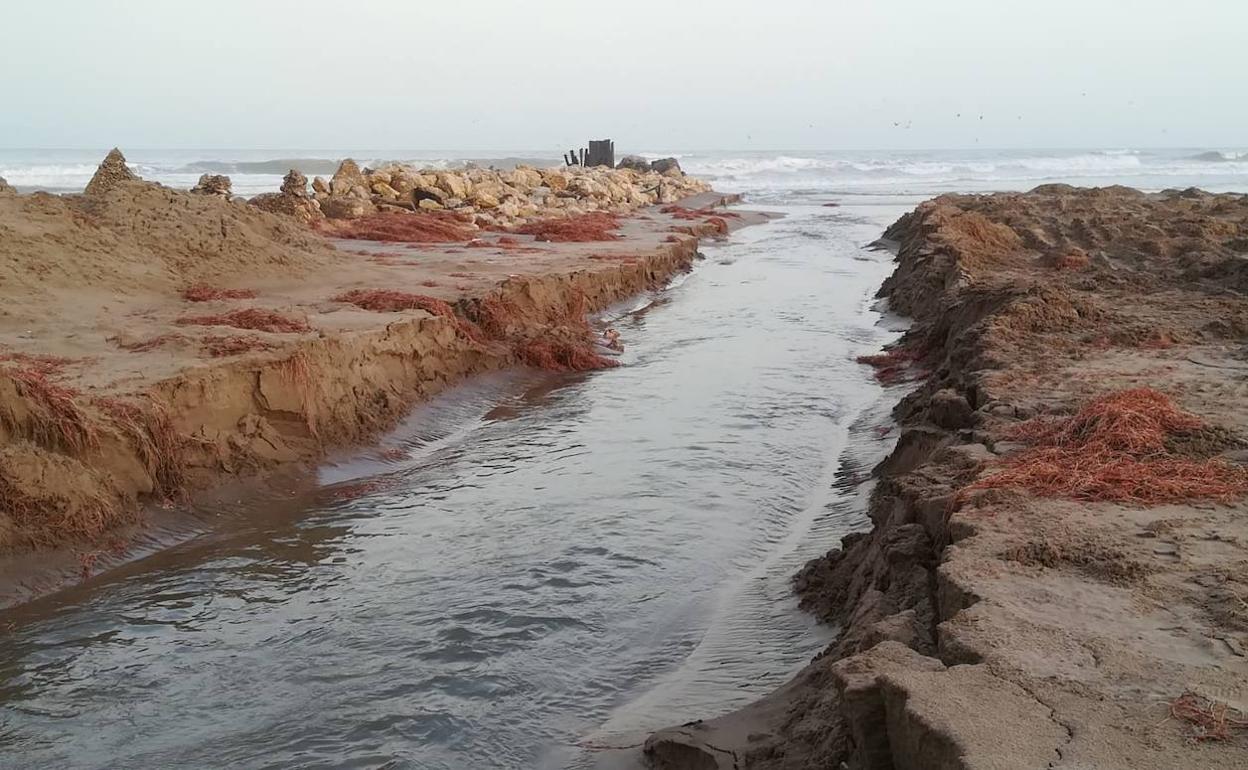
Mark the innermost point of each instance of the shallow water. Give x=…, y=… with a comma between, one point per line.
x=530, y=568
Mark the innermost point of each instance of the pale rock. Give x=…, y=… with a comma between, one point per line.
x=429, y=204
x=403, y=182
x=555, y=180
x=453, y=184
x=347, y=208
x=484, y=199
x=347, y=178
x=320, y=186
x=386, y=191
x=526, y=177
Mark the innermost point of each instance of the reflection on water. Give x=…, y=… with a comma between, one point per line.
x=530, y=563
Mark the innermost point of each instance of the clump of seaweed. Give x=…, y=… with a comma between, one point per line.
x=151, y=431
x=594, y=226
x=894, y=365
x=389, y=301
x=1115, y=449
x=403, y=227
x=46, y=520
x=563, y=356
x=45, y=365
x=256, y=319
x=204, y=293
x=56, y=419
x=1213, y=720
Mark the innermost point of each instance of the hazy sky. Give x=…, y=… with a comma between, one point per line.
x=677, y=74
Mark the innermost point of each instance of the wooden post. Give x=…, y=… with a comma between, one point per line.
x=601, y=153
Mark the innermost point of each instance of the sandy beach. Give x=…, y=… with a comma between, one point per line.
x=156, y=342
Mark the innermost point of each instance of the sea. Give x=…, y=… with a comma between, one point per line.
x=761, y=174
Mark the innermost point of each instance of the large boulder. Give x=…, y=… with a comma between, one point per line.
x=347, y=208
x=347, y=178
x=484, y=199
x=555, y=180
x=320, y=186
x=635, y=162
x=454, y=185
x=112, y=171
x=402, y=182
x=525, y=177
x=385, y=191
x=213, y=184
x=6, y=188
x=667, y=167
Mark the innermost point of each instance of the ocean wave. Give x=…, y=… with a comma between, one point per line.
x=1219, y=156
x=279, y=166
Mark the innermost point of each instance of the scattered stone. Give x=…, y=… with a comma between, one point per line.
x=293, y=200
x=295, y=184
x=214, y=184
x=112, y=171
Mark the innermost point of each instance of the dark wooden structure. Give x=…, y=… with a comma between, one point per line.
x=601, y=152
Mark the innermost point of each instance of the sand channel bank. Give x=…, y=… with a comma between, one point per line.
x=155, y=343
x=1056, y=569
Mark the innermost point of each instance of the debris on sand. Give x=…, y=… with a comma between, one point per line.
x=1214, y=721
x=1114, y=449
x=256, y=319
x=204, y=293
x=585, y=228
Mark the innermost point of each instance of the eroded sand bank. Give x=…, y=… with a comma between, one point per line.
x=1057, y=571
x=154, y=342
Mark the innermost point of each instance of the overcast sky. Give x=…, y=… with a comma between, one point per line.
x=676, y=74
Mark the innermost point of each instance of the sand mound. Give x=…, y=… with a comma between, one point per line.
x=125, y=236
